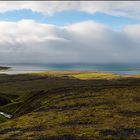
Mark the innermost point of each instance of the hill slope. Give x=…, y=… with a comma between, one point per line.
x=69, y=106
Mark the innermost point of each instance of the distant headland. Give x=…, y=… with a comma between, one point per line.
x=4, y=68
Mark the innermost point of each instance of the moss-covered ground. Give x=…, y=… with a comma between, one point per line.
x=70, y=105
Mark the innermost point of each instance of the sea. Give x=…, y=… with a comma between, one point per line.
x=116, y=68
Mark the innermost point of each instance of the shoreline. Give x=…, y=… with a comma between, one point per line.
x=14, y=70
x=79, y=74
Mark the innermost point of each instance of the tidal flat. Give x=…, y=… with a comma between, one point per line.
x=70, y=105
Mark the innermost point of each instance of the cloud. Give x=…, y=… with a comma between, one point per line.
x=31, y=41
x=117, y=8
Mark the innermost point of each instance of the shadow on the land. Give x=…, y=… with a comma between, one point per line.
x=130, y=113
x=35, y=128
x=72, y=85
x=122, y=132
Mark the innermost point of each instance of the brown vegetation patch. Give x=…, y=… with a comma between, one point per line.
x=122, y=132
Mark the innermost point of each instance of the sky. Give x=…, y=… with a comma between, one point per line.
x=69, y=31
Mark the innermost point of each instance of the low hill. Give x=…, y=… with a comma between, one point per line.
x=70, y=105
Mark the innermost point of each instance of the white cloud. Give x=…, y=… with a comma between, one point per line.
x=118, y=8
x=88, y=41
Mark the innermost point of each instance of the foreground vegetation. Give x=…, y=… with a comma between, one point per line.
x=70, y=105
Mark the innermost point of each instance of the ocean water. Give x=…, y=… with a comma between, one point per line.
x=122, y=69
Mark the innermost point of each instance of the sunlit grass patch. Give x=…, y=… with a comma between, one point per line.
x=96, y=75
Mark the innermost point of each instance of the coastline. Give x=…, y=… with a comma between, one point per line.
x=120, y=69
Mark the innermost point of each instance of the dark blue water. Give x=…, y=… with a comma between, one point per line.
x=113, y=68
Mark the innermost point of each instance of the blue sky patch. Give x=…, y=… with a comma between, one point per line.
x=69, y=17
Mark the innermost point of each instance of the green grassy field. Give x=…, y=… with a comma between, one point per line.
x=70, y=105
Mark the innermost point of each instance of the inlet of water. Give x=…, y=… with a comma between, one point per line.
x=8, y=116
